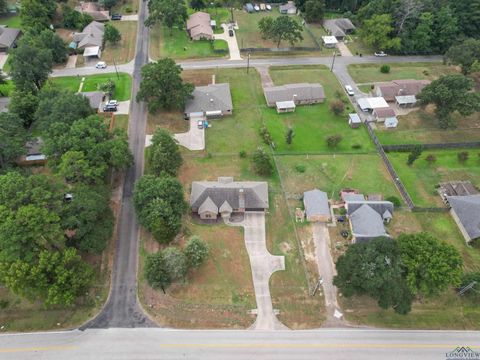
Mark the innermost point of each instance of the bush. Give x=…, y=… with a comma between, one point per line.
x=334, y=140
x=262, y=164
x=385, y=69
x=265, y=134
x=356, y=146
x=414, y=155
x=242, y=154
x=337, y=107
x=462, y=156
x=300, y=168
x=155, y=271
x=431, y=158
x=128, y=9
x=108, y=87
x=394, y=200
x=175, y=263
x=196, y=252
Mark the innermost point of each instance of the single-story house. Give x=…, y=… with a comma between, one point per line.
x=288, y=9
x=225, y=197
x=249, y=8
x=371, y=103
x=8, y=36
x=300, y=94
x=214, y=100
x=329, y=41
x=395, y=88
x=338, y=27
x=382, y=113
x=465, y=210
x=405, y=101
x=33, y=155
x=285, y=106
x=95, y=98
x=91, y=36
x=391, y=122
x=199, y=26
x=93, y=9
x=316, y=204
x=354, y=120
x=368, y=219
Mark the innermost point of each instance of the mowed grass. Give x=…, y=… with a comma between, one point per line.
x=11, y=21
x=421, y=127
x=123, y=83
x=124, y=50
x=370, y=73
x=313, y=124
x=121, y=122
x=331, y=173
x=421, y=178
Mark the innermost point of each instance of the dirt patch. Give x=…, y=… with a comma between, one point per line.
x=285, y=247
x=198, y=77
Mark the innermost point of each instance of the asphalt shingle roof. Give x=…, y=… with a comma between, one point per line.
x=8, y=36
x=316, y=203
x=212, y=97
x=303, y=92
x=467, y=209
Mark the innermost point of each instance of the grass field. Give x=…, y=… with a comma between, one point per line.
x=125, y=7
x=11, y=21
x=313, y=124
x=124, y=51
x=121, y=122
x=421, y=178
x=421, y=127
x=370, y=73
x=357, y=46
x=123, y=83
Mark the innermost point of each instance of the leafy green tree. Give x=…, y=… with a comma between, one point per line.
x=262, y=162
x=282, y=28
x=47, y=39
x=337, y=106
x=159, y=205
x=430, y=265
x=71, y=19
x=156, y=272
x=374, y=269
x=423, y=34
x=108, y=4
x=74, y=167
x=314, y=10
x=36, y=15
x=57, y=278
x=175, y=263
x=469, y=14
x=450, y=93
x=414, y=155
x=108, y=87
x=445, y=28
x=289, y=135
x=111, y=35
x=170, y=13
x=197, y=4
x=12, y=139
x=162, y=87
x=89, y=218
x=196, y=251
x=23, y=104
x=30, y=77
x=334, y=140
x=464, y=54
x=164, y=155
x=376, y=32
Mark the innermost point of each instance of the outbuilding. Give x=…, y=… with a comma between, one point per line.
x=354, y=120
x=406, y=101
x=391, y=122
x=330, y=41
x=316, y=204
x=371, y=103
x=285, y=106
x=92, y=51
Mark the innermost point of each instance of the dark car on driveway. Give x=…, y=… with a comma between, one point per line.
x=109, y=108
x=116, y=17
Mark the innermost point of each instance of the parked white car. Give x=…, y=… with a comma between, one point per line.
x=113, y=102
x=349, y=90
x=268, y=7
x=380, y=54
x=257, y=8
x=101, y=65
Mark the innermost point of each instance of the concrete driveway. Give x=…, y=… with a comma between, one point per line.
x=194, y=139
x=3, y=60
x=326, y=269
x=263, y=265
x=231, y=41
x=133, y=17
x=123, y=108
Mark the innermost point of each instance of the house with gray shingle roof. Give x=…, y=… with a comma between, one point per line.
x=300, y=94
x=212, y=101
x=338, y=27
x=225, y=197
x=316, y=206
x=8, y=37
x=91, y=36
x=95, y=98
x=368, y=219
x=465, y=210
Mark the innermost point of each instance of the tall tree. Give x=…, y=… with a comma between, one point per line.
x=197, y=4
x=450, y=93
x=24, y=104
x=376, y=32
x=374, y=269
x=48, y=39
x=171, y=13
x=156, y=271
x=30, y=67
x=175, y=263
x=36, y=15
x=445, y=28
x=162, y=86
x=314, y=10
x=262, y=163
x=469, y=14
x=430, y=265
x=464, y=54
x=423, y=34
x=12, y=139
x=111, y=35
x=196, y=251
x=282, y=28
x=164, y=155
x=407, y=9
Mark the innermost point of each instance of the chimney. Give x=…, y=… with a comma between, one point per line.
x=241, y=199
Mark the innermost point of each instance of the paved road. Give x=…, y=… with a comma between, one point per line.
x=122, y=308
x=331, y=344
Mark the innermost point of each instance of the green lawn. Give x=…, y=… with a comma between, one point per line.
x=124, y=51
x=357, y=46
x=421, y=178
x=370, y=73
x=11, y=21
x=7, y=88
x=313, y=124
x=122, y=90
x=121, y=122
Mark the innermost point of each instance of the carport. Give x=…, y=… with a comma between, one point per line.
x=92, y=51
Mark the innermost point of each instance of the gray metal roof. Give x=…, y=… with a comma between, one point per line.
x=353, y=197
x=303, y=92
x=354, y=118
x=316, y=203
x=34, y=146
x=367, y=223
x=467, y=209
x=255, y=192
x=210, y=98
x=8, y=36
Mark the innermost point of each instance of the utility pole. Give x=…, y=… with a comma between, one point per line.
x=116, y=70
x=333, y=60
x=248, y=62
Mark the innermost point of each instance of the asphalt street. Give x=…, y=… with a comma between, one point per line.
x=334, y=344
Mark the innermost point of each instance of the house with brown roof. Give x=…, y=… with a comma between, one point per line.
x=383, y=113
x=199, y=26
x=93, y=9
x=225, y=197
x=8, y=37
x=398, y=88
x=300, y=94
